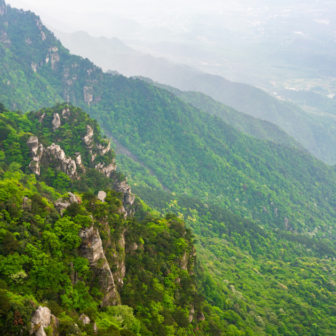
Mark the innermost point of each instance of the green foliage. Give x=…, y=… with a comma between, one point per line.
x=62, y=182
x=258, y=128
x=263, y=214
x=256, y=278
x=119, y=317
x=40, y=257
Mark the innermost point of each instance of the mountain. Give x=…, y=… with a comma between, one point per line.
x=75, y=262
x=185, y=149
x=245, y=123
x=67, y=258
x=315, y=133
x=262, y=213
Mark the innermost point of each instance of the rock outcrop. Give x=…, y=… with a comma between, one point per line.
x=41, y=118
x=85, y=319
x=56, y=121
x=191, y=313
x=66, y=113
x=53, y=57
x=101, y=196
x=55, y=155
x=63, y=203
x=98, y=149
x=92, y=249
x=88, y=138
x=36, y=153
x=184, y=262
x=42, y=318
x=129, y=198
x=3, y=9
x=51, y=155
x=106, y=170
x=104, y=149
x=200, y=316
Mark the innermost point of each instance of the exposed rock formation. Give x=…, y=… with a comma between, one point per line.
x=36, y=152
x=41, y=118
x=34, y=67
x=79, y=160
x=101, y=196
x=42, y=318
x=103, y=150
x=2, y=9
x=3, y=34
x=191, y=314
x=85, y=319
x=119, y=256
x=92, y=249
x=101, y=167
x=106, y=170
x=53, y=57
x=129, y=198
x=66, y=112
x=50, y=155
x=56, y=121
x=184, y=262
x=26, y=203
x=88, y=138
x=72, y=198
x=56, y=156
x=63, y=203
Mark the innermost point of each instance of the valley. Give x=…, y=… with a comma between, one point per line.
x=136, y=206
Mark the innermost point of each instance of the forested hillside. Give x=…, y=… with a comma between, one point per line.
x=258, y=128
x=315, y=132
x=260, y=214
x=160, y=129
x=103, y=264
x=255, y=280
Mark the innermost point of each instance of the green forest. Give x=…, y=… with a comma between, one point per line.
x=42, y=251
x=230, y=229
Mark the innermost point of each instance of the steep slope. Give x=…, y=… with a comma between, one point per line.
x=186, y=149
x=70, y=253
x=67, y=255
x=257, y=128
x=281, y=281
x=287, y=195
x=315, y=133
x=105, y=52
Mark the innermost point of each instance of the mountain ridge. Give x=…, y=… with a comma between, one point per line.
x=262, y=213
x=245, y=123
x=315, y=133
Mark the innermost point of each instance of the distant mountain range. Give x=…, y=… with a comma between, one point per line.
x=315, y=132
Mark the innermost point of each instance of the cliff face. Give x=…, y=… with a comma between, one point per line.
x=92, y=249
